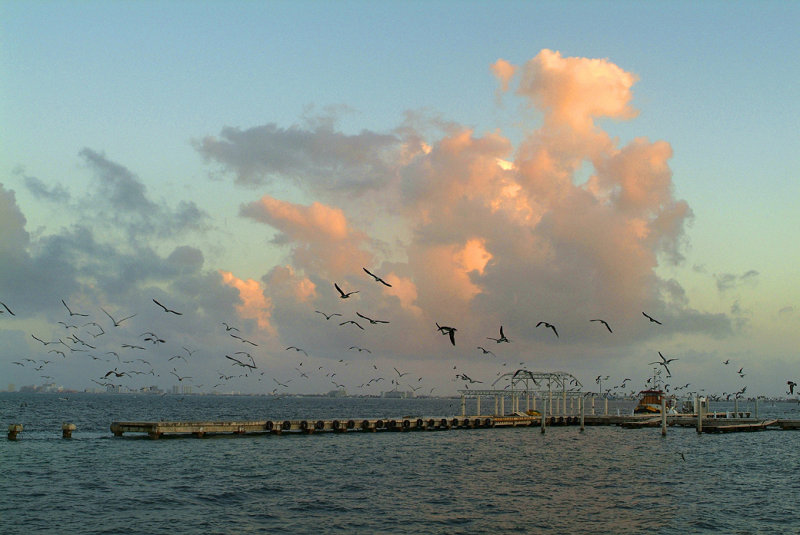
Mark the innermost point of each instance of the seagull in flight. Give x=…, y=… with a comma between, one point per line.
x=502, y=337
x=243, y=340
x=6, y=307
x=71, y=313
x=360, y=349
x=116, y=323
x=353, y=322
x=372, y=321
x=451, y=331
x=229, y=328
x=486, y=351
x=297, y=349
x=168, y=309
x=791, y=384
x=664, y=362
x=342, y=294
x=327, y=316
x=604, y=323
x=548, y=326
x=652, y=320
x=377, y=278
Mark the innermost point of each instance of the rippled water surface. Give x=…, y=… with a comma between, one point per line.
x=604, y=480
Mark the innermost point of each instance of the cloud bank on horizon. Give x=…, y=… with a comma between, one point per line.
x=469, y=229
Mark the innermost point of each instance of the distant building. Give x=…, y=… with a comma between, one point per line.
x=340, y=393
x=397, y=394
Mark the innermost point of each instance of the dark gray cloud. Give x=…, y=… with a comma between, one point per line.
x=40, y=190
x=122, y=199
x=315, y=155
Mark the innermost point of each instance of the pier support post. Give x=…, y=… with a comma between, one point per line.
x=582, y=405
x=66, y=430
x=736, y=407
x=564, y=402
x=478, y=406
x=549, y=405
x=463, y=405
x=502, y=405
x=544, y=415
x=527, y=401
x=592, y=404
x=605, y=411
x=663, y=417
x=699, y=415
x=13, y=431
x=534, y=402
x=496, y=400
x=756, y=408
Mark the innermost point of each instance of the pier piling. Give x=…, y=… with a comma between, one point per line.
x=663, y=417
x=13, y=431
x=67, y=429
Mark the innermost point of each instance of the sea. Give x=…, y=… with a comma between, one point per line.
x=512, y=480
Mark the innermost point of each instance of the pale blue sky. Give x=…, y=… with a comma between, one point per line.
x=143, y=82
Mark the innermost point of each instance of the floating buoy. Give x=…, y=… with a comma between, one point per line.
x=365, y=425
x=286, y=425
x=320, y=425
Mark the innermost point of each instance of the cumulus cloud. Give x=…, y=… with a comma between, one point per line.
x=503, y=71
x=470, y=229
x=322, y=240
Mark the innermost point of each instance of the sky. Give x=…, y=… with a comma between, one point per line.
x=495, y=164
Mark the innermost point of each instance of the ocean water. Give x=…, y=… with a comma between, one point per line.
x=517, y=480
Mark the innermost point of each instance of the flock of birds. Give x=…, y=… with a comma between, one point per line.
x=83, y=336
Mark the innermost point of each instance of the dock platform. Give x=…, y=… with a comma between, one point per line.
x=198, y=429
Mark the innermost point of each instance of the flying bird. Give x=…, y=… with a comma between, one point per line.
x=342, y=294
x=548, y=326
x=179, y=377
x=664, y=362
x=6, y=307
x=486, y=351
x=451, y=331
x=353, y=322
x=71, y=313
x=791, y=384
x=116, y=323
x=297, y=349
x=652, y=320
x=360, y=349
x=377, y=278
x=229, y=328
x=168, y=309
x=327, y=316
x=502, y=337
x=604, y=323
x=243, y=340
x=372, y=321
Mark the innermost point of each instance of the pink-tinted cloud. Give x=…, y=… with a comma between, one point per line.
x=503, y=71
x=254, y=304
x=574, y=91
x=321, y=240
